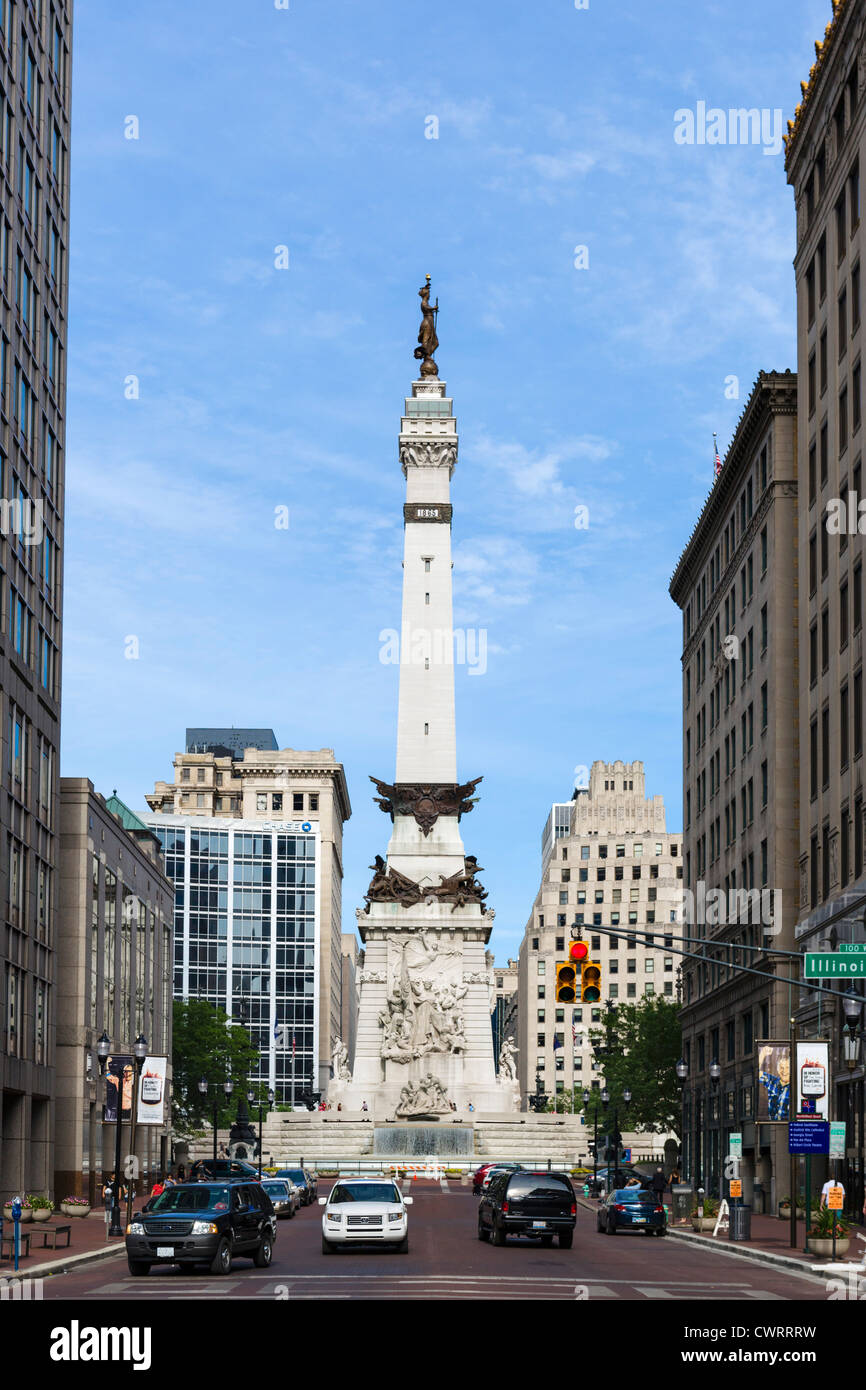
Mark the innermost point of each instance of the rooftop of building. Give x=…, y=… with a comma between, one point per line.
x=230, y=741
x=772, y=392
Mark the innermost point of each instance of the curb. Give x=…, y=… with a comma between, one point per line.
x=26, y=1270
x=746, y=1252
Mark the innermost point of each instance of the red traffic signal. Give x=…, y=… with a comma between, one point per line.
x=578, y=950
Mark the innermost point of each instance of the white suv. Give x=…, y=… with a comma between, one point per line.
x=365, y=1209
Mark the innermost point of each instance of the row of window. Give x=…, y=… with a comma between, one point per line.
x=31, y=1045
x=732, y=534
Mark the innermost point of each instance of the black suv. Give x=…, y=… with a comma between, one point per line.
x=537, y=1205
x=204, y=1223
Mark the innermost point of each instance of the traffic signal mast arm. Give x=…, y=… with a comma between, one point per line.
x=730, y=946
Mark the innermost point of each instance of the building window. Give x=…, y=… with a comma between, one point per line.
x=298, y=800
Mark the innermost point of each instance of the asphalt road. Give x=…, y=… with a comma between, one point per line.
x=447, y=1261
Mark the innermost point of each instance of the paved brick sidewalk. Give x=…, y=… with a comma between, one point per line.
x=88, y=1241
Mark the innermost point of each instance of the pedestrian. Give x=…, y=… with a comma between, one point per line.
x=659, y=1185
x=825, y=1191
x=364, y=1106
x=339, y=1105
x=471, y=1108
x=675, y=1177
x=158, y=1187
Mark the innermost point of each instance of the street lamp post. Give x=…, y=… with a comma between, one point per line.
x=586, y=1095
x=204, y=1087
x=682, y=1076
x=715, y=1076
x=103, y=1049
x=251, y=1097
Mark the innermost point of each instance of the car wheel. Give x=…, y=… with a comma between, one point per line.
x=483, y=1233
x=566, y=1240
x=222, y=1260
x=265, y=1252
x=328, y=1247
x=547, y=1241
x=403, y=1246
x=497, y=1235
x=137, y=1268
x=611, y=1227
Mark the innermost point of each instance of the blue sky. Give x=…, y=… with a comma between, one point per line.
x=262, y=388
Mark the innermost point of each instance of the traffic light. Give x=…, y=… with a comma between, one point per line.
x=566, y=982
x=578, y=951
x=590, y=982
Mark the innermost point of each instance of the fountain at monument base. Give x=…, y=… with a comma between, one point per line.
x=423, y=1141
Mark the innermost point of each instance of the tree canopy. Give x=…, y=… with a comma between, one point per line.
x=204, y=1043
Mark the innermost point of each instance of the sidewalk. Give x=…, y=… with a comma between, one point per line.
x=771, y=1244
x=88, y=1242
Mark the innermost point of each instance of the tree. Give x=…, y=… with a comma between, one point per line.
x=205, y=1044
x=638, y=1046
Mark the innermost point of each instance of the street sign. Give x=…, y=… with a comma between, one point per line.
x=825, y=965
x=736, y=1187
x=836, y=1199
x=735, y=1146
x=808, y=1137
x=852, y=946
x=837, y=1139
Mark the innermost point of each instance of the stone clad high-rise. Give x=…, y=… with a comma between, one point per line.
x=34, y=207
x=424, y=1043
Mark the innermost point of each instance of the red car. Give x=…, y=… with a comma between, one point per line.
x=478, y=1177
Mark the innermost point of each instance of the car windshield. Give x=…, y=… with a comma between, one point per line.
x=296, y=1175
x=538, y=1185
x=635, y=1194
x=197, y=1198
x=276, y=1189
x=365, y=1192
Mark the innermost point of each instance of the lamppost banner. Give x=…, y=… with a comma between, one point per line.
x=151, y=1092
x=774, y=1083
x=811, y=1072
x=118, y=1079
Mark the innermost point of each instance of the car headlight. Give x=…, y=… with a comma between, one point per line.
x=135, y=1228
x=334, y=1216
x=395, y=1216
x=204, y=1228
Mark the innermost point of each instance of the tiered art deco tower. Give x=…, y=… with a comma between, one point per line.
x=424, y=1042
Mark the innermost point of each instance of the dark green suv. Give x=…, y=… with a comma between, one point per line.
x=204, y=1223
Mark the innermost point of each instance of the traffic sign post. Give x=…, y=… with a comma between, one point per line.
x=808, y=1137
x=826, y=965
x=835, y=1202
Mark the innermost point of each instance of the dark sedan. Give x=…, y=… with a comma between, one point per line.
x=304, y=1180
x=632, y=1209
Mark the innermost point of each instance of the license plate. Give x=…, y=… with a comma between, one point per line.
x=639, y=1220
x=540, y=1225
x=164, y=1252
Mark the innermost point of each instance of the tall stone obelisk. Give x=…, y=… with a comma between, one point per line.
x=424, y=1040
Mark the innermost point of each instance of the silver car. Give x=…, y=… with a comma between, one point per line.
x=284, y=1195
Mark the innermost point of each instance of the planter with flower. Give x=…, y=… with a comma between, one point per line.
x=711, y=1212
x=41, y=1207
x=75, y=1206
x=26, y=1210
x=821, y=1234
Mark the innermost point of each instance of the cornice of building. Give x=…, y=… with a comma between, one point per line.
x=774, y=393
x=820, y=75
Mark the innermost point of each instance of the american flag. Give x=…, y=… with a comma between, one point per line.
x=717, y=462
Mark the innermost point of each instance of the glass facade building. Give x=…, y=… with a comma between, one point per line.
x=247, y=929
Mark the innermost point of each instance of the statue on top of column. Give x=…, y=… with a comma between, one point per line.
x=428, y=342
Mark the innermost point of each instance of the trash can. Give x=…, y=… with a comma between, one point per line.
x=682, y=1202
x=740, y=1223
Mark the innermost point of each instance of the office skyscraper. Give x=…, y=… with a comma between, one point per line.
x=34, y=200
